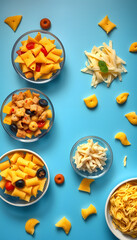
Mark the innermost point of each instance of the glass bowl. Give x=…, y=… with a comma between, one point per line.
x=32, y=34
x=15, y=201
x=7, y=127
x=115, y=231
x=99, y=172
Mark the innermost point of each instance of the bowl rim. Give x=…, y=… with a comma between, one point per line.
x=21, y=75
x=72, y=150
x=47, y=183
x=44, y=133
x=116, y=232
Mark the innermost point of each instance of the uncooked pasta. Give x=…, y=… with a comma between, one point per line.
x=123, y=208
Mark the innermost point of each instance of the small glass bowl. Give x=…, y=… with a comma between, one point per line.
x=15, y=201
x=99, y=172
x=32, y=34
x=109, y=222
x=7, y=127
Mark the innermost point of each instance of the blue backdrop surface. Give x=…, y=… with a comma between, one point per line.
x=75, y=23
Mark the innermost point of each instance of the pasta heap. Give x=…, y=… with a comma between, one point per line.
x=123, y=208
x=24, y=166
x=90, y=156
x=114, y=64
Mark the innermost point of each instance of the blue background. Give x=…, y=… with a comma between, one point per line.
x=75, y=23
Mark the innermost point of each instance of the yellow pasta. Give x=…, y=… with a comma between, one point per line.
x=21, y=174
x=37, y=161
x=15, y=157
x=4, y=173
x=22, y=161
x=27, y=190
x=85, y=185
x=88, y=211
x=14, y=177
x=30, y=171
x=7, y=192
x=28, y=156
x=41, y=184
x=14, y=167
x=2, y=183
x=21, y=166
x=35, y=190
x=9, y=178
x=65, y=224
x=27, y=198
x=123, y=208
x=4, y=165
x=30, y=225
x=18, y=193
x=32, y=165
x=32, y=181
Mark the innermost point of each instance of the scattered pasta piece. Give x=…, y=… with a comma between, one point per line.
x=122, y=98
x=85, y=185
x=90, y=156
x=91, y=101
x=133, y=47
x=106, y=24
x=65, y=224
x=132, y=118
x=13, y=21
x=123, y=208
x=88, y=211
x=125, y=161
x=30, y=225
x=123, y=138
x=104, y=65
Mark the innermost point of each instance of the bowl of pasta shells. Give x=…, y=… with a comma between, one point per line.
x=121, y=210
x=24, y=177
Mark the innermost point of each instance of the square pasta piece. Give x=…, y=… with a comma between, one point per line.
x=41, y=58
x=7, y=120
x=24, y=68
x=53, y=57
x=28, y=58
x=106, y=24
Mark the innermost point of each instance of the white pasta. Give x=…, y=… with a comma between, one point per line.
x=108, y=55
x=90, y=156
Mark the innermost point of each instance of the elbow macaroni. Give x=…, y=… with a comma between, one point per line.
x=122, y=98
x=132, y=118
x=123, y=138
x=30, y=225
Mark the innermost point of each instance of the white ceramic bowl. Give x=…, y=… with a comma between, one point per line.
x=15, y=201
x=116, y=232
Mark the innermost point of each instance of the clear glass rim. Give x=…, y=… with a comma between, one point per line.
x=71, y=156
x=48, y=179
x=21, y=75
x=113, y=230
x=44, y=132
